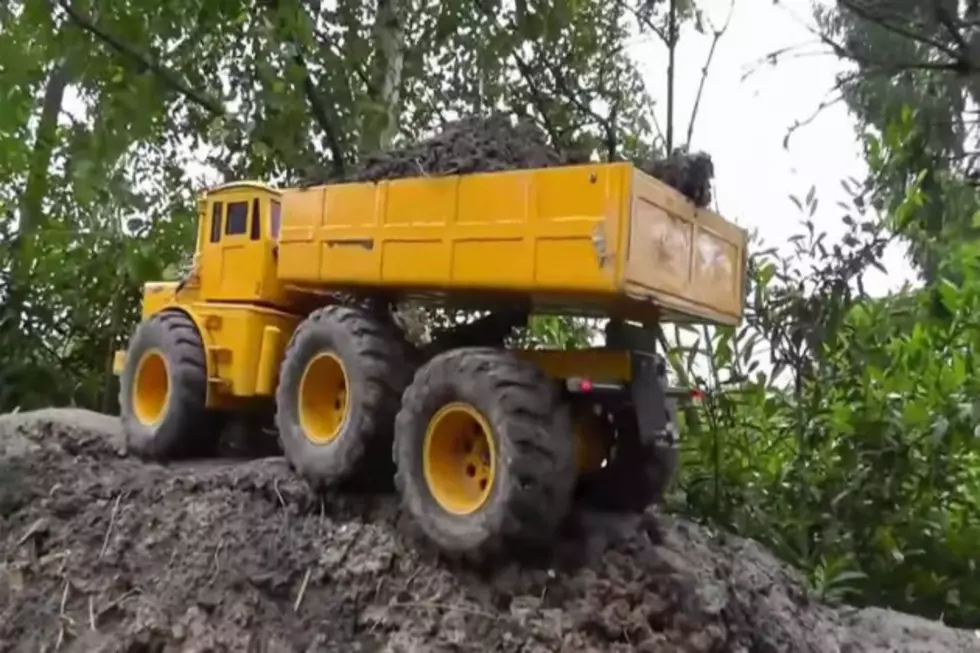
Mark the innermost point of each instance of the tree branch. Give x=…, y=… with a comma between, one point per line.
x=956, y=61
x=318, y=107
x=876, y=67
x=948, y=22
x=644, y=21
x=537, y=97
x=671, y=54
x=171, y=79
x=718, y=33
x=575, y=97
x=883, y=22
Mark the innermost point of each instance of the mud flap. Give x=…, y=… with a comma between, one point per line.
x=655, y=406
x=649, y=394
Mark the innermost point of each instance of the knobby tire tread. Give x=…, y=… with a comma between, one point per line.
x=188, y=429
x=383, y=372
x=526, y=410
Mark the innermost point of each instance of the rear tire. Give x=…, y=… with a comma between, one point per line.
x=340, y=386
x=163, y=391
x=636, y=476
x=532, y=469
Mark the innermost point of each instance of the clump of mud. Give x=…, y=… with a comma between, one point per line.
x=691, y=174
x=102, y=553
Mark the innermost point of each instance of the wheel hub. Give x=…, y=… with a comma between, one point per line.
x=323, y=398
x=151, y=389
x=459, y=460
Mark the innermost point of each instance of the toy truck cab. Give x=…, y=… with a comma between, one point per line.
x=235, y=252
x=238, y=229
x=231, y=301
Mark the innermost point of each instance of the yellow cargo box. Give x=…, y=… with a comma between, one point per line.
x=603, y=239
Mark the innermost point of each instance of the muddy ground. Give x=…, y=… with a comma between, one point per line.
x=103, y=553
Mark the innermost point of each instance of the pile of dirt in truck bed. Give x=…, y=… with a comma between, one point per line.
x=495, y=144
x=103, y=553
x=465, y=146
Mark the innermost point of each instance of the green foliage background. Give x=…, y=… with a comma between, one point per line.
x=841, y=430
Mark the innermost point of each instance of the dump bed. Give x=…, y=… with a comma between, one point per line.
x=587, y=239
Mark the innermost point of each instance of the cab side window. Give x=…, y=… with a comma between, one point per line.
x=256, y=232
x=274, y=219
x=216, y=221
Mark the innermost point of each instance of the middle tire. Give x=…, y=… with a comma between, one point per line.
x=340, y=386
x=484, y=453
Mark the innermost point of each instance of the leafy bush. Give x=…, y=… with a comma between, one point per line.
x=855, y=457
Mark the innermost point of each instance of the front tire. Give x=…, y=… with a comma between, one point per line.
x=484, y=453
x=163, y=390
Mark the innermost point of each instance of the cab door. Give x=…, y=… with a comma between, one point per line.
x=232, y=254
x=237, y=273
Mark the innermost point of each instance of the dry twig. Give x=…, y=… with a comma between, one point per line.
x=718, y=32
x=275, y=487
x=63, y=619
x=112, y=521
x=302, y=589
x=216, y=562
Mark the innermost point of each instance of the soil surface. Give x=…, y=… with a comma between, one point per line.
x=103, y=553
x=465, y=146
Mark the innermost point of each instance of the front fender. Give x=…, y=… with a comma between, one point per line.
x=157, y=300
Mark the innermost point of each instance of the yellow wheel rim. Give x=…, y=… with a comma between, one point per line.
x=151, y=387
x=458, y=458
x=323, y=398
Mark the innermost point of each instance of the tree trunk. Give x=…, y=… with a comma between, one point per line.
x=32, y=214
x=381, y=121
x=31, y=221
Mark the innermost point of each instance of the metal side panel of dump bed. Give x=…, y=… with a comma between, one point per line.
x=556, y=235
x=527, y=232
x=691, y=262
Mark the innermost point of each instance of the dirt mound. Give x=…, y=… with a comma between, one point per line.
x=495, y=144
x=103, y=553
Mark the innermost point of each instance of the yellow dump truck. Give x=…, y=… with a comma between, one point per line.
x=488, y=445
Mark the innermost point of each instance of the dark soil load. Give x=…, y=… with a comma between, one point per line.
x=465, y=146
x=103, y=553
x=495, y=144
